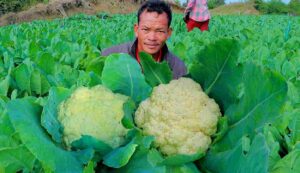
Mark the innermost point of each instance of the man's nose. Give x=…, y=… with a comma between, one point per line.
x=152, y=35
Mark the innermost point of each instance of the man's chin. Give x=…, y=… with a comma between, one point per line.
x=151, y=52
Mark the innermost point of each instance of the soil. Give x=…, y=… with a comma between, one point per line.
x=65, y=8
x=236, y=9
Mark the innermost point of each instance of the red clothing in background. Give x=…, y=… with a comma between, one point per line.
x=191, y=24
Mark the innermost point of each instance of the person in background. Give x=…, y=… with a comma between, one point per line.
x=197, y=15
x=152, y=31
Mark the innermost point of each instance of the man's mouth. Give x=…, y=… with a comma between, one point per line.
x=152, y=46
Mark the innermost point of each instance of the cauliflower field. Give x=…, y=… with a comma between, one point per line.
x=64, y=108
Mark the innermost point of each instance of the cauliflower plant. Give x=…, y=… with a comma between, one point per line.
x=180, y=116
x=97, y=112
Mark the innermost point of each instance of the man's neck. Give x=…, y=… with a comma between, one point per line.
x=157, y=56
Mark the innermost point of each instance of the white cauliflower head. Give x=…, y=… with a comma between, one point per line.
x=180, y=116
x=96, y=112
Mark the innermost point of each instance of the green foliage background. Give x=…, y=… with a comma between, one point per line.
x=248, y=64
x=278, y=7
x=16, y=5
x=215, y=3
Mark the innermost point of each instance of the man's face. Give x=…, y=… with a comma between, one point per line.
x=152, y=31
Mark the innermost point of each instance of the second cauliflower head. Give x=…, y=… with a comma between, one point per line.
x=96, y=112
x=180, y=116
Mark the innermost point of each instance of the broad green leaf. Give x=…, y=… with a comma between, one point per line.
x=90, y=167
x=186, y=168
x=257, y=107
x=128, y=108
x=65, y=76
x=122, y=74
x=294, y=126
x=3, y=101
x=286, y=114
x=83, y=79
x=8, y=137
x=273, y=139
x=120, y=156
x=85, y=142
x=139, y=138
x=38, y=83
x=217, y=71
x=222, y=128
x=30, y=80
x=263, y=53
x=180, y=50
x=13, y=155
x=25, y=117
x=46, y=63
x=294, y=92
x=289, y=70
x=14, y=94
x=22, y=77
x=289, y=163
x=239, y=159
x=94, y=79
x=84, y=156
x=154, y=157
x=144, y=160
x=2, y=68
x=49, y=115
x=15, y=159
x=147, y=141
x=181, y=159
x=34, y=50
x=4, y=85
x=249, y=116
x=95, y=65
x=155, y=73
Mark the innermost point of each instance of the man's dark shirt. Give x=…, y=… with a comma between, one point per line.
x=177, y=66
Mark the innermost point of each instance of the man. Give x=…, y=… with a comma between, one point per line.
x=197, y=15
x=152, y=31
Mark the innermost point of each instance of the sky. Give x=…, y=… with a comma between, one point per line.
x=232, y=1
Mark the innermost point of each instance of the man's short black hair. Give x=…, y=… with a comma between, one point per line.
x=158, y=6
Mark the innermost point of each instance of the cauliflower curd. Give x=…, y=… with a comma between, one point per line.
x=180, y=116
x=97, y=112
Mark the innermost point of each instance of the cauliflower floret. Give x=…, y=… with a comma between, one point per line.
x=180, y=116
x=97, y=112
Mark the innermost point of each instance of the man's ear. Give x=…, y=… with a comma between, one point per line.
x=136, y=27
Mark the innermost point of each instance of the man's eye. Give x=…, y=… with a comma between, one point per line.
x=160, y=31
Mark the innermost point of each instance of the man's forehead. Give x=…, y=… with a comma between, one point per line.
x=146, y=17
x=154, y=13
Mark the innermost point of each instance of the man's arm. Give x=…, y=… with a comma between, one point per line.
x=177, y=65
x=189, y=6
x=122, y=48
x=188, y=9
